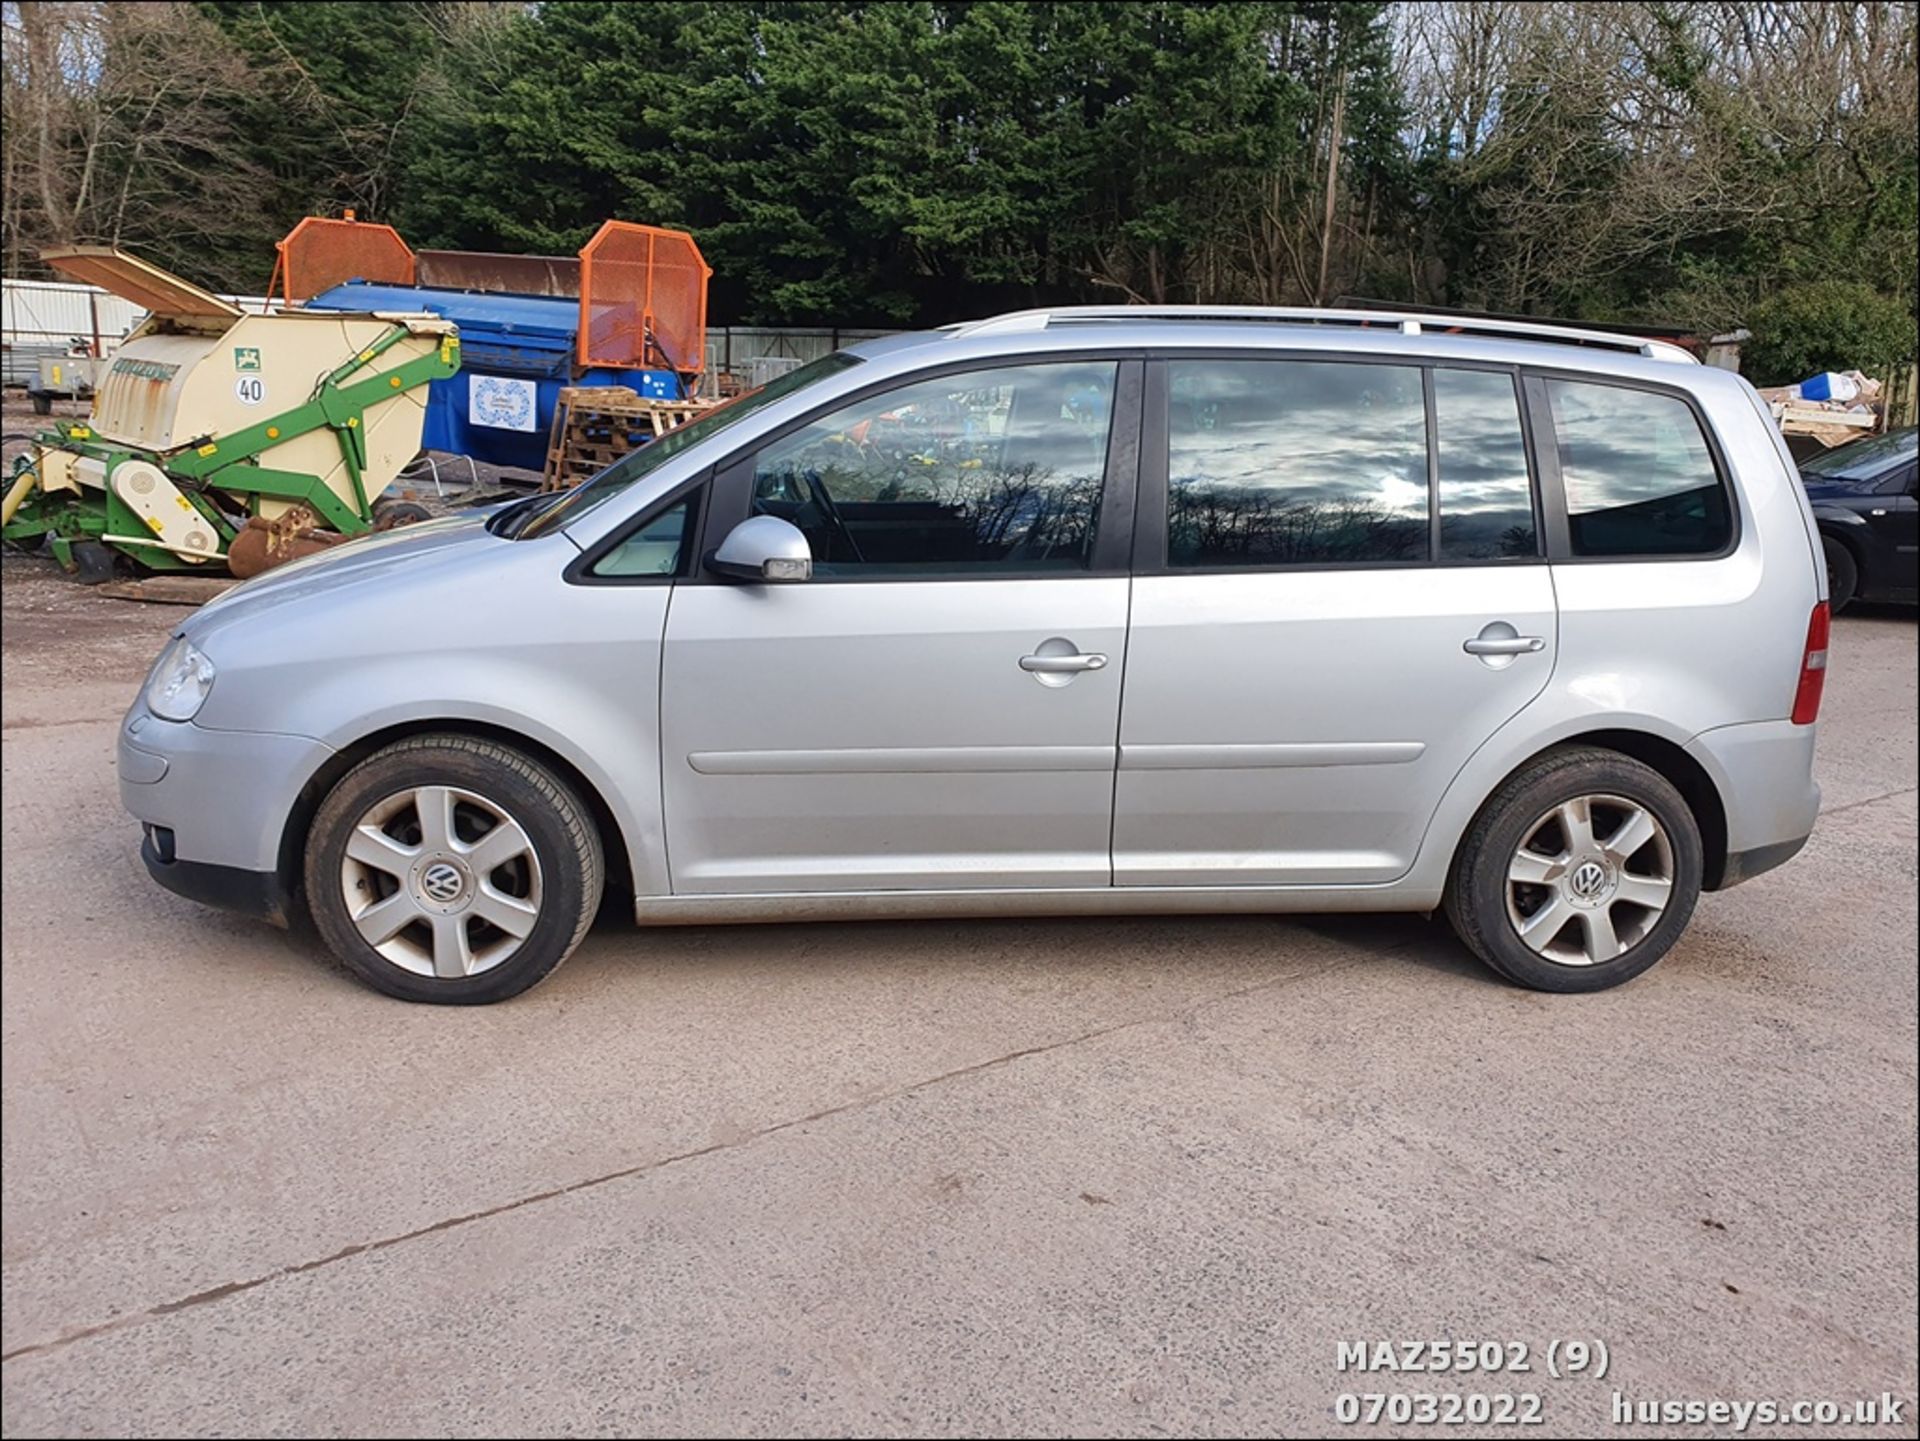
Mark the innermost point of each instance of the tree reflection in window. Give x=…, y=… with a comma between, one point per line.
x=990, y=468
x=1295, y=462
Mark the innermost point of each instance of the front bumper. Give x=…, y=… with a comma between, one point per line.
x=260, y=894
x=214, y=805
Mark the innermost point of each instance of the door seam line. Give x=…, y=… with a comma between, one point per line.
x=660, y=734
x=1119, y=723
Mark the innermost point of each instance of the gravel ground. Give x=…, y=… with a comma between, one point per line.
x=992, y=1177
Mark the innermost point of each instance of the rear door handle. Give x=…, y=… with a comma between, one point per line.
x=1505, y=645
x=1062, y=664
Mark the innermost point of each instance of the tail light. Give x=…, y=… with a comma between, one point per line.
x=1813, y=669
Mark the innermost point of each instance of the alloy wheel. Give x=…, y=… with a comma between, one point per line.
x=1590, y=879
x=441, y=881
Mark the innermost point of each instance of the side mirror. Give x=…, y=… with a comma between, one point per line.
x=763, y=548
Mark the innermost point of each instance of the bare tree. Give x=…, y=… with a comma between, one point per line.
x=117, y=131
x=1600, y=137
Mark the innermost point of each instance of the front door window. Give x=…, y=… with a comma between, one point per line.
x=991, y=470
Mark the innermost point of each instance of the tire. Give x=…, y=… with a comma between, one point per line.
x=425, y=928
x=1609, y=928
x=1843, y=574
x=94, y=563
x=390, y=514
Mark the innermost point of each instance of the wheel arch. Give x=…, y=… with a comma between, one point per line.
x=1669, y=760
x=1848, y=533
x=293, y=835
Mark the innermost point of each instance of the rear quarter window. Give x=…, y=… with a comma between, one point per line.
x=1638, y=474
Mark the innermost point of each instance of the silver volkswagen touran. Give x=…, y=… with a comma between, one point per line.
x=1077, y=611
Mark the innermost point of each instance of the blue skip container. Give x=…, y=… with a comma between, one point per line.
x=517, y=353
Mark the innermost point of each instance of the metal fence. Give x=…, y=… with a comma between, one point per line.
x=738, y=344
x=43, y=317
x=1903, y=396
x=40, y=317
x=56, y=317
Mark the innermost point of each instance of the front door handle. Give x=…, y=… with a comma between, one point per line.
x=1505, y=645
x=1062, y=664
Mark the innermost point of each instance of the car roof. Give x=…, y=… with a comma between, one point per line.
x=1321, y=318
x=1361, y=333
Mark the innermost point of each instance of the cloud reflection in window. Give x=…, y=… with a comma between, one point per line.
x=1638, y=475
x=1486, y=506
x=1295, y=462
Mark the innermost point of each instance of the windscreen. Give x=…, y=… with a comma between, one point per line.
x=1864, y=459
x=655, y=453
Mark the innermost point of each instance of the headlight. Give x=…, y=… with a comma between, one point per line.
x=180, y=683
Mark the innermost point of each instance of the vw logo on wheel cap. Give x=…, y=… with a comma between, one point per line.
x=442, y=883
x=1588, y=881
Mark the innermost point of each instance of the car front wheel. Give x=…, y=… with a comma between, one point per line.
x=1578, y=874
x=1843, y=574
x=453, y=870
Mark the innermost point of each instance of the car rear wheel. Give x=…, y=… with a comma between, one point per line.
x=452, y=870
x=1578, y=874
x=1843, y=574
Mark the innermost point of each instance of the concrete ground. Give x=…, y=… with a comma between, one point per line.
x=1088, y=1177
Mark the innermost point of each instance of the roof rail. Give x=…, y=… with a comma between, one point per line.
x=1406, y=322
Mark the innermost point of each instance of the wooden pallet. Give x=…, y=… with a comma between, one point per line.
x=594, y=425
x=1790, y=415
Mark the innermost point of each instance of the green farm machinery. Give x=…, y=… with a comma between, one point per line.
x=225, y=440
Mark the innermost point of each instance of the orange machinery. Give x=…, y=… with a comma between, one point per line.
x=629, y=310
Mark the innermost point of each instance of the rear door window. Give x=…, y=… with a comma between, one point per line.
x=1486, y=492
x=1295, y=462
x=1638, y=475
